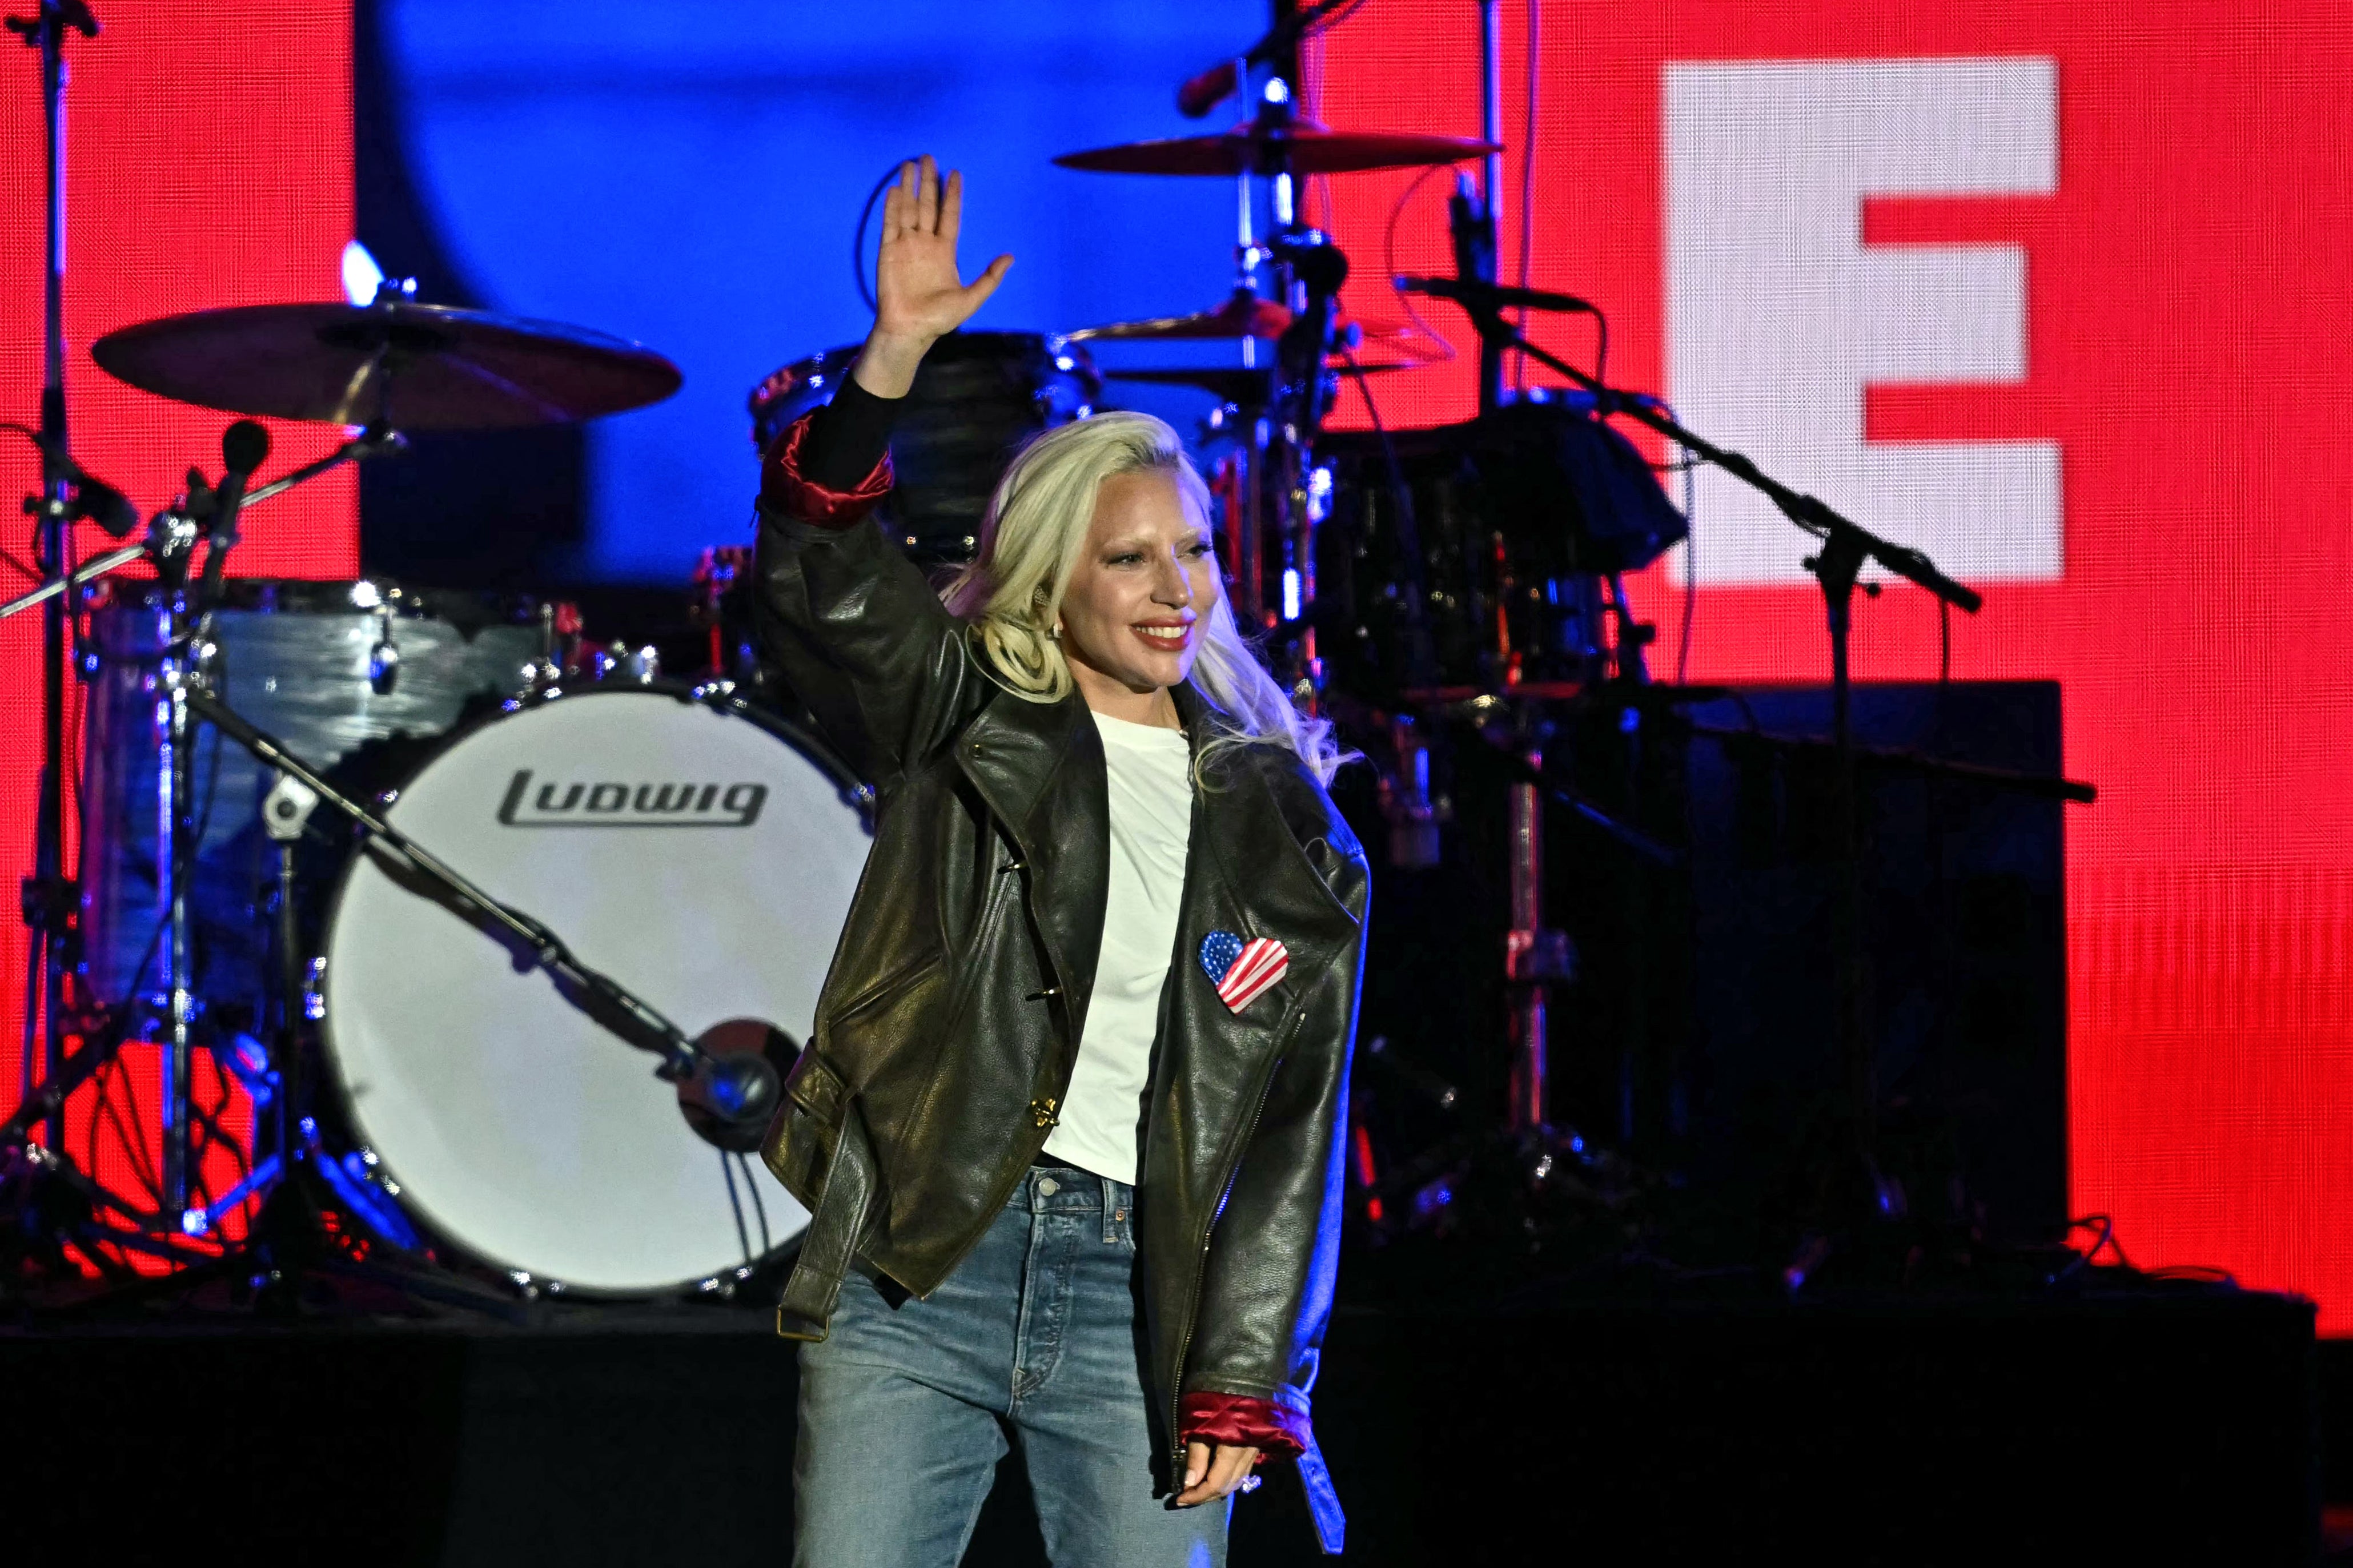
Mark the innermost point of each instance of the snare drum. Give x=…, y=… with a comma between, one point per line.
x=702, y=853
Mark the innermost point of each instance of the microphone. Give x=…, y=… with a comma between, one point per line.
x=245, y=447
x=729, y=1099
x=1472, y=294
x=93, y=497
x=732, y=1089
x=1207, y=91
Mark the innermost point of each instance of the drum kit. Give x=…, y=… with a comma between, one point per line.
x=329, y=832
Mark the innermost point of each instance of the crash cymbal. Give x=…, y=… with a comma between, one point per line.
x=1297, y=146
x=1232, y=384
x=400, y=365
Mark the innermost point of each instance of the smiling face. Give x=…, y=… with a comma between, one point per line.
x=1144, y=583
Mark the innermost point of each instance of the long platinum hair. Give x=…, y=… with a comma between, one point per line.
x=1030, y=542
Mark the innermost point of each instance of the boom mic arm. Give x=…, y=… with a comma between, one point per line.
x=1204, y=92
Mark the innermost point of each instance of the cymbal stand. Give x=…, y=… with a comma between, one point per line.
x=1308, y=269
x=1271, y=462
x=1846, y=547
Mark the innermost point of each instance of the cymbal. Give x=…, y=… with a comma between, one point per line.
x=1232, y=384
x=1400, y=345
x=1299, y=146
x=402, y=365
x=1245, y=315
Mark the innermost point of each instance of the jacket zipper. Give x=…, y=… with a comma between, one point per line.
x=1201, y=1253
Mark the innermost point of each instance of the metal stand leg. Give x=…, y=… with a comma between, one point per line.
x=1520, y=945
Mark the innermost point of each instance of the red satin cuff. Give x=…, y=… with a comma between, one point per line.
x=1238, y=1419
x=784, y=488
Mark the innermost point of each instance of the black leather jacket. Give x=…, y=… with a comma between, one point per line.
x=950, y=1019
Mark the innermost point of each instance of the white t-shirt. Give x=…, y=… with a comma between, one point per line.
x=1150, y=772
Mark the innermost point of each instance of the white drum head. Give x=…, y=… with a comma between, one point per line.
x=693, y=855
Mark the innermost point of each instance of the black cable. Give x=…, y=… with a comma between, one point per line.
x=143, y=1169
x=759, y=1203
x=1389, y=259
x=742, y=1237
x=1398, y=490
x=2106, y=1227
x=1408, y=525
x=858, y=269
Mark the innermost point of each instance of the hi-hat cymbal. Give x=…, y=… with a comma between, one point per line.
x=1244, y=315
x=1232, y=384
x=401, y=365
x=1298, y=147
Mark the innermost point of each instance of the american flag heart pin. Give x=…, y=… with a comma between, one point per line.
x=1242, y=969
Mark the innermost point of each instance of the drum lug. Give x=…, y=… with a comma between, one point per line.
x=720, y=1286
x=384, y=658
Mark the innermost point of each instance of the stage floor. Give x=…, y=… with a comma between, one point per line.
x=2174, y=1424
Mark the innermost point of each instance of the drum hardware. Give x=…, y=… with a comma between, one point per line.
x=1845, y=548
x=1272, y=528
x=208, y=514
x=451, y=369
x=619, y=661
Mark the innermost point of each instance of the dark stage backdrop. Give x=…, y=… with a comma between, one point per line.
x=2053, y=291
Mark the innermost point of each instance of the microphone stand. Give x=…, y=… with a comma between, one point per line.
x=170, y=547
x=48, y=897
x=1837, y=565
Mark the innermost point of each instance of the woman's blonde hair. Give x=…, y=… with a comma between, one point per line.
x=1030, y=542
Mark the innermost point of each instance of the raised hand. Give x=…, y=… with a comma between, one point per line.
x=918, y=296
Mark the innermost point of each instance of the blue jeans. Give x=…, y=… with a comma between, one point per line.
x=1037, y=1336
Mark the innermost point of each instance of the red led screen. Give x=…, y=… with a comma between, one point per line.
x=209, y=164
x=2059, y=293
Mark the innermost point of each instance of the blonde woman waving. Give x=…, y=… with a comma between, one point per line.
x=1071, y=1123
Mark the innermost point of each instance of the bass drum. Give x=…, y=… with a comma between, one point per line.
x=701, y=853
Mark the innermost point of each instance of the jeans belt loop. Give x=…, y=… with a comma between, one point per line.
x=1111, y=1227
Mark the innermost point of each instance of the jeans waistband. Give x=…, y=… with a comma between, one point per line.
x=1049, y=1188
